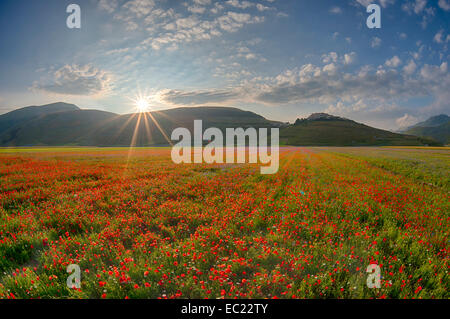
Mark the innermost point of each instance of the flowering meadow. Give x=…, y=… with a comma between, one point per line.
x=140, y=226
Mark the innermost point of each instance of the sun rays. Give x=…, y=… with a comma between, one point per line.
x=142, y=105
x=144, y=113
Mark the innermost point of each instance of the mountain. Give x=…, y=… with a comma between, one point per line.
x=21, y=116
x=324, y=117
x=321, y=129
x=59, y=128
x=433, y=121
x=99, y=128
x=436, y=127
x=66, y=124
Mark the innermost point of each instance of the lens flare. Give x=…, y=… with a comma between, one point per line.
x=142, y=105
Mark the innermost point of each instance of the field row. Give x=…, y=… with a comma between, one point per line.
x=140, y=226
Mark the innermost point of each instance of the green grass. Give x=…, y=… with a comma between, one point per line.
x=425, y=165
x=144, y=227
x=344, y=133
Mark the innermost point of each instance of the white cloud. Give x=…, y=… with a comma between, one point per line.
x=198, y=97
x=282, y=14
x=419, y=7
x=306, y=71
x=202, y=2
x=244, y=52
x=334, y=84
x=330, y=57
x=233, y=21
x=261, y=7
x=410, y=68
x=240, y=4
x=393, y=62
x=217, y=8
x=441, y=38
x=139, y=8
x=327, y=84
x=438, y=79
x=344, y=109
x=383, y=3
x=406, y=121
x=416, y=6
x=376, y=42
x=176, y=29
x=76, y=80
x=427, y=17
x=330, y=68
x=349, y=58
x=132, y=11
x=335, y=10
x=432, y=72
x=196, y=9
x=377, y=93
x=444, y=5
x=108, y=5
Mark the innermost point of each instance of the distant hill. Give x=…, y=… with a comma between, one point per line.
x=61, y=128
x=21, y=116
x=55, y=127
x=66, y=124
x=436, y=127
x=433, y=121
x=322, y=129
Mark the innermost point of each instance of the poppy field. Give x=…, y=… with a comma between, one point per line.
x=140, y=226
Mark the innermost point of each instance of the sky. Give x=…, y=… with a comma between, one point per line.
x=283, y=59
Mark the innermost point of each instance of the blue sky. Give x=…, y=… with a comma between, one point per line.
x=280, y=58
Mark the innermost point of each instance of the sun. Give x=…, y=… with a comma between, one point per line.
x=142, y=105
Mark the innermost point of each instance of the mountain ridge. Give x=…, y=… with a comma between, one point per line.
x=59, y=124
x=436, y=127
x=12, y=118
x=432, y=121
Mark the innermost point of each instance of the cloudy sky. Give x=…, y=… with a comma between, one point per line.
x=280, y=58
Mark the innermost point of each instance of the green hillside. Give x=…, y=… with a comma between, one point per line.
x=21, y=116
x=436, y=127
x=99, y=128
x=327, y=130
x=65, y=124
x=61, y=128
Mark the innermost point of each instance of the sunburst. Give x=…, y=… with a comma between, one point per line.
x=142, y=104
